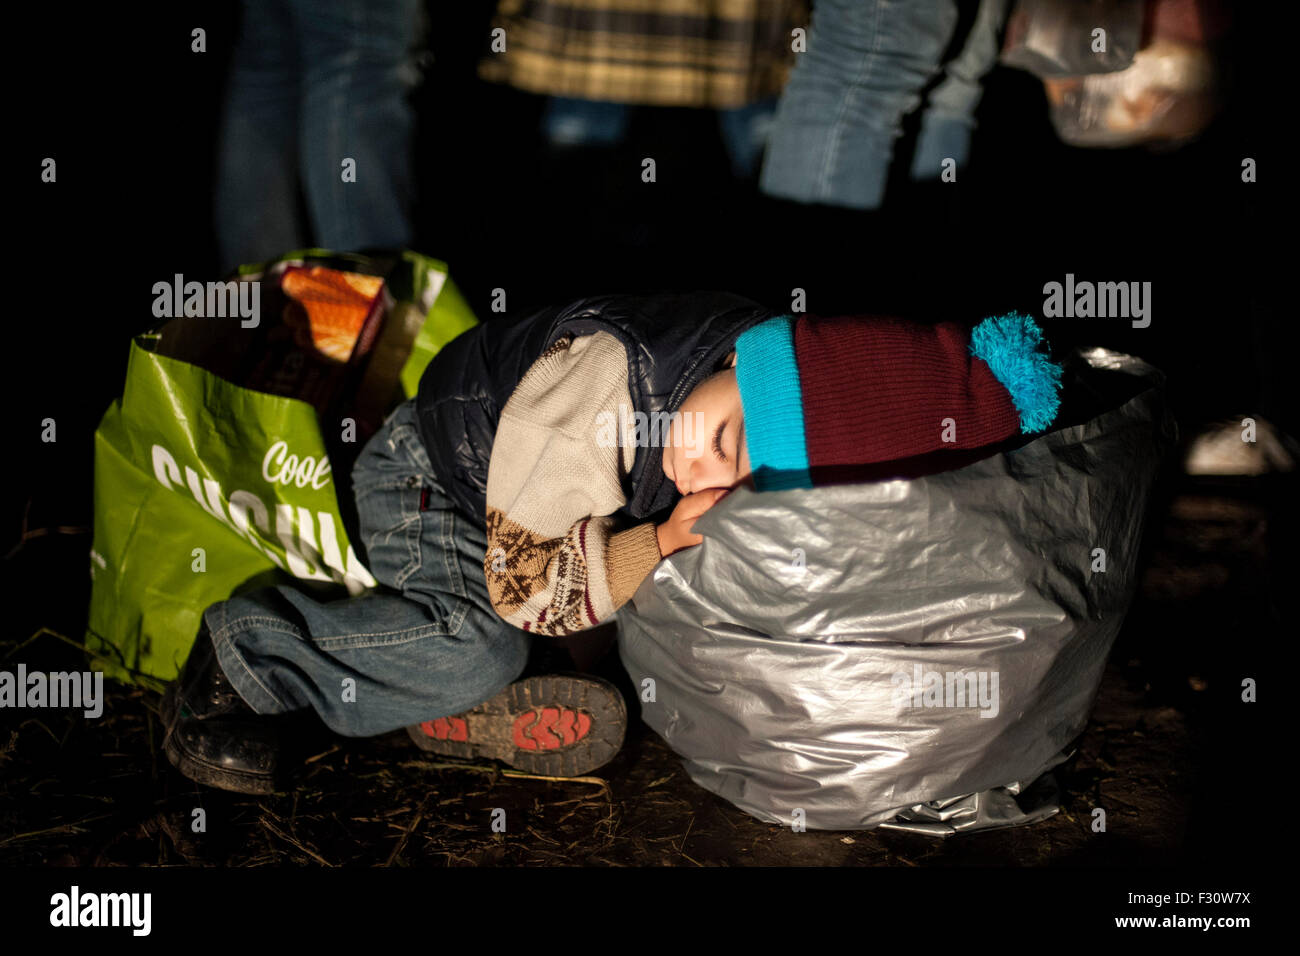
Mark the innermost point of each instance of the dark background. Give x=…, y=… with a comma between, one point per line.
x=129, y=113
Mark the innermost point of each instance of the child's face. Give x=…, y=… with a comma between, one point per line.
x=706, y=445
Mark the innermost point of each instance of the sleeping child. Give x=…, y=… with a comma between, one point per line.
x=545, y=466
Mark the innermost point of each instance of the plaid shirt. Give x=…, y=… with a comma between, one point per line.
x=719, y=54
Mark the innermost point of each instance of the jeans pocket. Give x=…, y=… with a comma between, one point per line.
x=404, y=439
x=396, y=449
x=434, y=573
x=408, y=440
x=388, y=517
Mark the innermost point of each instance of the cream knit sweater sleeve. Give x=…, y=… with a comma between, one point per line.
x=555, y=562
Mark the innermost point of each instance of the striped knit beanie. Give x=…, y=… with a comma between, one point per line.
x=859, y=398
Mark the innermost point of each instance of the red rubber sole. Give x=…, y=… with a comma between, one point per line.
x=561, y=725
x=547, y=728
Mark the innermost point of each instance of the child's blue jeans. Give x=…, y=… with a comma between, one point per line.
x=425, y=643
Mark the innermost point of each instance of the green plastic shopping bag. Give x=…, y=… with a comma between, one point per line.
x=203, y=485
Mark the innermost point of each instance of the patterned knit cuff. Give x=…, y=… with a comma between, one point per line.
x=772, y=400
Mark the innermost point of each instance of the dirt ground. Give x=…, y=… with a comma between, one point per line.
x=1168, y=739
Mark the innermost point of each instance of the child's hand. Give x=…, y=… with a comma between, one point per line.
x=675, y=533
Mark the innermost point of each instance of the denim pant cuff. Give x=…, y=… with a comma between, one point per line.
x=237, y=671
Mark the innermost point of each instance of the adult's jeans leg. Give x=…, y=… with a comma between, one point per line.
x=949, y=117
x=360, y=64
x=841, y=111
x=424, y=644
x=256, y=189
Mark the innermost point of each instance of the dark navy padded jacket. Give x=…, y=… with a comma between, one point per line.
x=673, y=341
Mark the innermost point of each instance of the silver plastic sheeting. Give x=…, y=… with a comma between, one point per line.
x=914, y=654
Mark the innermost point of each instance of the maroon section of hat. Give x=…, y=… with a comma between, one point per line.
x=878, y=389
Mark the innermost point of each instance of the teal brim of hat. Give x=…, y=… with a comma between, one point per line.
x=772, y=401
x=1008, y=344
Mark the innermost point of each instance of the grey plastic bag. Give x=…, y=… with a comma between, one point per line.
x=917, y=654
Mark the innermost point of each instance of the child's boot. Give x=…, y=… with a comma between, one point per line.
x=213, y=736
x=560, y=725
